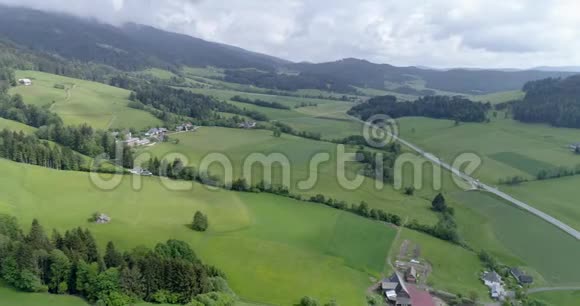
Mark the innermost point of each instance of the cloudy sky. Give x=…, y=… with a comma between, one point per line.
x=437, y=33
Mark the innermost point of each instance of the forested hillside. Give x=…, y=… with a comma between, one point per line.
x=130, y=47
x=135, y=47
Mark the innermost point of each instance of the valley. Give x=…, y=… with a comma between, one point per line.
x=156, y=107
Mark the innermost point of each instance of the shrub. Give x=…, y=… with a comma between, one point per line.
x=200, y=222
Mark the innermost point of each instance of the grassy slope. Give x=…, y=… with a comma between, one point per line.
x=99, y=105
x=10, y=296
x=558, y=197
x=237, y=144
x=257, y=239
x=158, y=73
x=535, y=244
x=15, y=126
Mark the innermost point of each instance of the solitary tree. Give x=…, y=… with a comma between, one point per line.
x=200, y=222
x=439, y=203
x=277, y=133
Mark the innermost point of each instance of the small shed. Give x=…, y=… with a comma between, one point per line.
x=25, y=82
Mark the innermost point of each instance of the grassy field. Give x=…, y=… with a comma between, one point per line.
x=15, y=126
x=558, y=298
x=158, y=73
x=557, y=197
x=506, y=147
x=499, y=97
x=536, y=245
x=257, y=239
x=238, y=144
x=99, y=105
x=11, y=297
x=209, y=72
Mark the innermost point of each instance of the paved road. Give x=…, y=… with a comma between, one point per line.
x=474, y=182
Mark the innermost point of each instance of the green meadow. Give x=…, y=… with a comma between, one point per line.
x=238, y=144
x=15, y=126
x=99, y=105
x=506, y=147
x=258, y=239
x=157, y=73
x=499, y=97
x=558, y=298
x=11, y=297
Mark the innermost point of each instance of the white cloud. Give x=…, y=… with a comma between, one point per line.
x=442, y=33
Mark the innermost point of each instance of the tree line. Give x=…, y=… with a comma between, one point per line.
x=71, y=263
x=7, y=78
x=438, y=107
x=555, y=101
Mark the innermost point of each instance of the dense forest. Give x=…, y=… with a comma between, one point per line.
x=128, y=47
x=439, y=107
x=553, y=101
x=71, y=263
x=290, y=82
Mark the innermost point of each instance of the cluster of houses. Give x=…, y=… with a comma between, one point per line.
x=152, y=135
x=131, y=141
x=25, y=82
x=495, y=284
x=399, y=291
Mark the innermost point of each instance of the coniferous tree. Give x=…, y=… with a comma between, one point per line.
x=113, y=258
x=37, y=238
x=439, y=203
